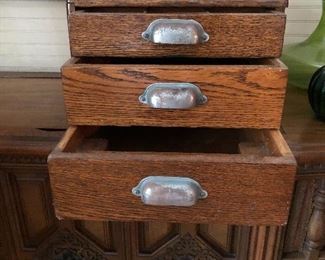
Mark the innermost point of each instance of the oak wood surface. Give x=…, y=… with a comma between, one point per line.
x=32, y=103
x=265, y=242
x=27, y=142
x=304, y=133
x=242, y=189
x=239, y=96
x=181, y=3
x=231, y=35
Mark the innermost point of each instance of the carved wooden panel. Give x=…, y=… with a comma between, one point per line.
x=3, y=233
x=35, y=215
x=217, y=236
x=301, y=209
x=2, y=247
x=6, y=232
x=35, y=231
x=153, y=236
x=108, y=236
x=181, y=241
x=68, y=244
x=265, y=243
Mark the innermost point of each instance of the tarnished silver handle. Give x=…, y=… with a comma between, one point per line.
x=172, y=96
x=175, y=31
x=169, y=191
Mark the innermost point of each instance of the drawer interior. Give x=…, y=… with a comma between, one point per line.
x=260, y=143
x=272, y=63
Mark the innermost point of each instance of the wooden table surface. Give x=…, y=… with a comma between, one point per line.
x=304, y=134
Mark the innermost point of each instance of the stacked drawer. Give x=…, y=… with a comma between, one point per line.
x=174, y=109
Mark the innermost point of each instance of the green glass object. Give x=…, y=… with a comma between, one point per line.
x=316, y=93
x=303, y=59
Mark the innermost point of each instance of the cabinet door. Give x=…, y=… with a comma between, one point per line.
x=36, y=232
x=151, y=240
x=3, y=230
x=161, y=241
x=30, y=230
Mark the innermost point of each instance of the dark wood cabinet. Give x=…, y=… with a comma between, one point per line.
x=29, y=228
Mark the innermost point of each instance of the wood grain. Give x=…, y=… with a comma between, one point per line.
x=29, y=228
x=265, y=243
x=180, y=3
x=231, y=35
x=32, y=103
x=304, y=133
x=239, y=96
x=242, y=189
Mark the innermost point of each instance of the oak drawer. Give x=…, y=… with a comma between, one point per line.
x=239, y=93
x=247, y=174
x=182, y=3
x=256, y=33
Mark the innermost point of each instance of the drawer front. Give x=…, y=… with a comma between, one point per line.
x=178, y=3
x=238, y=96
x=230, y=35
x=242, y=189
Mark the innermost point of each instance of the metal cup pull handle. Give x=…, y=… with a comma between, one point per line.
x=175, y=31
x=169, y=191
x=172, y=96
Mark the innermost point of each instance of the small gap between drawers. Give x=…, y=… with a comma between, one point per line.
x=176, y=61
x=169, y=10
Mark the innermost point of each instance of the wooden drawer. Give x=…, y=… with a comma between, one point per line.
x=237, y=33
x=240, y=93
x=248, y=174
x=178, y=3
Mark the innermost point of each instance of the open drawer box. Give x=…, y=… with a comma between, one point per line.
x=243, y=176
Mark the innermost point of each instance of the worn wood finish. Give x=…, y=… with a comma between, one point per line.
x=231, y=35
x=182, y=3
x=239, y=96
x=32, y=102
x=239, y=186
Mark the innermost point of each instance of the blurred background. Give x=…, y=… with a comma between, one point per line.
x=34, y=37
